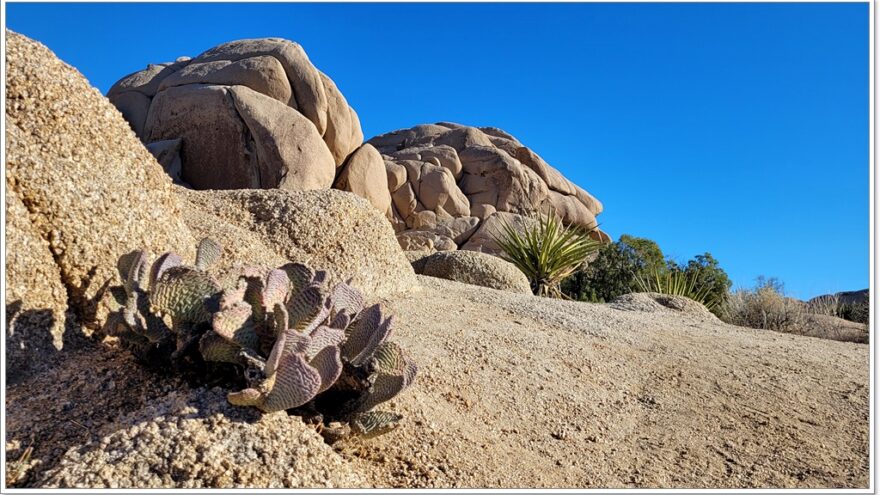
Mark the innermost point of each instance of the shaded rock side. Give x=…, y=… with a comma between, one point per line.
x=36, y=300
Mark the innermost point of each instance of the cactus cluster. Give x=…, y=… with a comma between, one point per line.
x=294, y=342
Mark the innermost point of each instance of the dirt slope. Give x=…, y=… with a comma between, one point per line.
x=521, y=391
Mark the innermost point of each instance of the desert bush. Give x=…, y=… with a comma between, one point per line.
x=546, y=251
x=833, y=305
x=858, y=312
x=709, y=278
x=613, y=271
x=619, y=266
x=675, y=282
x=828, y=305
x=294, y=343
x=766, y=307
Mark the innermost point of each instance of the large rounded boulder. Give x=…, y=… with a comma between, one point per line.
x=252, y=114
x=448, y=182
x=473, y=268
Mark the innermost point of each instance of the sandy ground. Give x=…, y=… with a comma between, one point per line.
x=520, y=391
x=517, y=391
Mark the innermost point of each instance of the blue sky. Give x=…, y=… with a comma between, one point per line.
x=738, y=129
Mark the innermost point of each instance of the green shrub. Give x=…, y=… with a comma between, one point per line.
x=858, y=312
x=708, y=276
x=619, y=265
x=609, y=275
x=546, y=251
x=614, y=270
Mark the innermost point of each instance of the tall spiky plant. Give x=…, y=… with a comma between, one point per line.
x=677, y=283
x=545, y=250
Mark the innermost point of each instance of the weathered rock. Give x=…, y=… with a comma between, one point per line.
x=405, y=200
x=196, y=439
x=475, y=268
x=483, y=240
x=262, y=74
x=343, y=126
x=292, y=155
x=241, y=245
x=491, y=171
x=219, y=150
x=134, y=107
x=418, y=259
x=482, y=210
x=237, y=138
x=571, y=210
x=93, y=192
x=251, y=113
x=364, y=173
x=459, y=229
x=395, y=174
x=424, y=240
x=309, y=96
x=446, y=157
x=147, y=81
x=422, y=220
x=35, y=297
x=438, y=191
x=650, y=302
x=330, y=230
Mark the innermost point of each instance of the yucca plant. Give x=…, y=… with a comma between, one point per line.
x=545, y=250
x=677, y=283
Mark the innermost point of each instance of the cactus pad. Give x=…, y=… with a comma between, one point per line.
x=290, y=340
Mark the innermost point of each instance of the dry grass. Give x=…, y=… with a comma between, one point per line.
x=767, y=307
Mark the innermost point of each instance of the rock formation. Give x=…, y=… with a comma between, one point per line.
x=251, y=114
x=257, y=114
x=449, y=182
x=82, y=191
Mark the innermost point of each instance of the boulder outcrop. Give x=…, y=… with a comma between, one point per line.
x=196, y=439
x=252, y=113
x=447, y=181
x=82, y=191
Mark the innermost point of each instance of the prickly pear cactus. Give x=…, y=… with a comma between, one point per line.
x=296, y=345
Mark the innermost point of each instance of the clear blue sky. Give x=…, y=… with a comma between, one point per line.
x=739, y=129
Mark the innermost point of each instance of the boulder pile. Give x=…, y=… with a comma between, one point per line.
x=451, y=185
x=257, y=114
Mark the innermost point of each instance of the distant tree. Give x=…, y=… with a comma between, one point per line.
x=619, y=265
x=709, y=276
x=649, y=253
x=613, y=271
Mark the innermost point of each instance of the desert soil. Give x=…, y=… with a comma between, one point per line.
x=520, y=391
